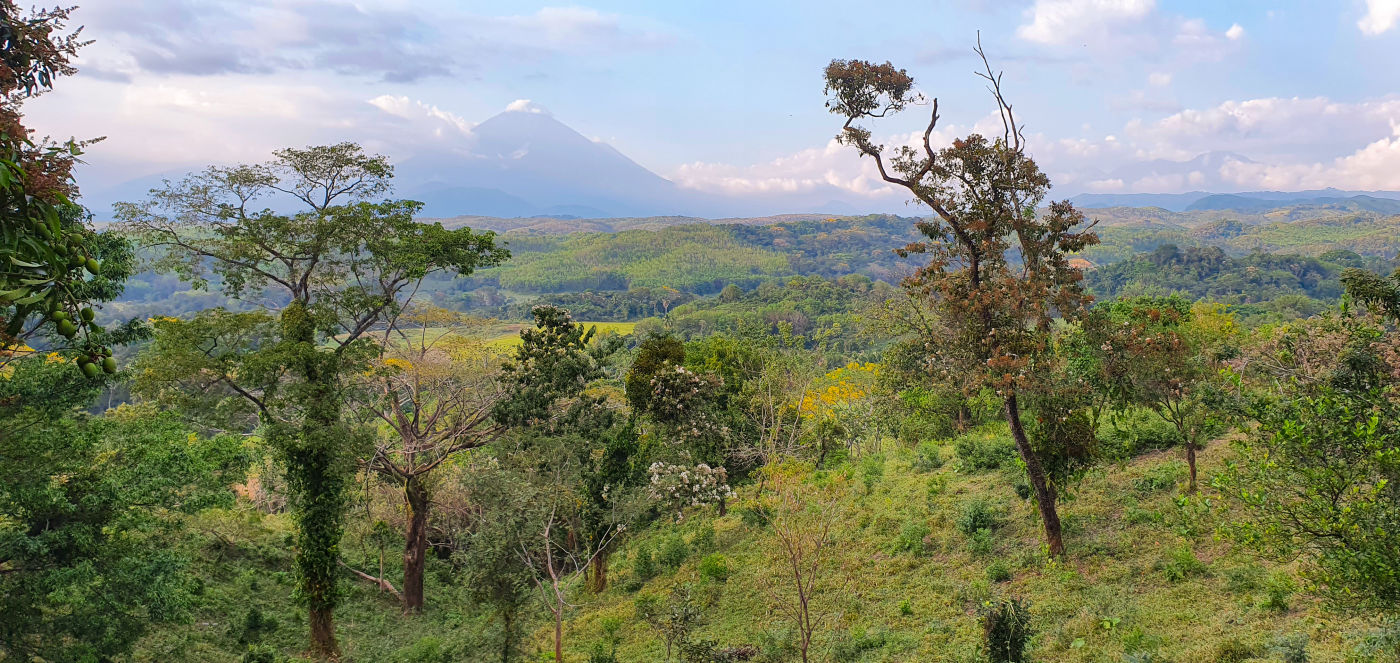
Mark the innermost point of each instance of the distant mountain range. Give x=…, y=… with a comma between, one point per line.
x=1384, y=202
x=524, y=163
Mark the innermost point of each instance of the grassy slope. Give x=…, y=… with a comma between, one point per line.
x=1126, y=525
x=1122, y=528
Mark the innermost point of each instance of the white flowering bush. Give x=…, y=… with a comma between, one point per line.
x=682, y=486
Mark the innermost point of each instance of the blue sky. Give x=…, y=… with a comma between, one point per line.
x=726, y=96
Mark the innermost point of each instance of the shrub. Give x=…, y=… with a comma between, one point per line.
x=852, y=645
x=703, y=540
x=1023, y=490
x=988, y=453
x=1277, y=591
x=936, y=484
x=776, y=647
x=998, y=572
x=1379, y=645
x=1135, y=432
x=673, y=552
x=980, y=542
x=1244, y=579
x=1233, y=650
x=1006, y=629
x=254, y=626
x=977, y=515
x=1160, y=477
x=1180, y=564
x=643, y=564
x=872, y=470
x=714, y=567
x=1291, y=648
x=928, y=456
x=260, y=654
x=906, y=608
x=911, y=538
x=427, y=649
x=754, y=514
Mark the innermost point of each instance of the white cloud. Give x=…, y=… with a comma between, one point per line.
x=412, y=109
x=1235, y=31
x=1160, y=79
x=1065, y=21
x=526, y=106
x=1381, y=15
x=832, y=165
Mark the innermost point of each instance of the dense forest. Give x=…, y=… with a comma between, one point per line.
x=998, y=432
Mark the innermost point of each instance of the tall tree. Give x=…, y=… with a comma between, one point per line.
x=318, y=281
x=431, y=393
x=998, y=269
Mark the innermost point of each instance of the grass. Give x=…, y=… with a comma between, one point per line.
x=1130, y=583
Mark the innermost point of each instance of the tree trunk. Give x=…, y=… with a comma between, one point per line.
x=559, y=635
x=1043, y=497
x=323, y=644
x=598, y=572
x=1191, y=463
x=508, y=635
x=416, y=544
x=723, y=506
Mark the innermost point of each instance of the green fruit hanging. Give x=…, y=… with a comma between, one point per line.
x=109, y=365
x=88, y=314
x=91, y=370
x=93, y=267
x=67, y=329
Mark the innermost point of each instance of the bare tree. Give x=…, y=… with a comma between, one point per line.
x=802, y=524
x=432, y=392
x=555, y=565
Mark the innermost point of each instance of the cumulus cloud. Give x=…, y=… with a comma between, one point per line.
x=1066, y=21
x=1124, y=28
x=1381, y=15
x=413, y=109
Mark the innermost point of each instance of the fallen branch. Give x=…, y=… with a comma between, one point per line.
x=383, y=584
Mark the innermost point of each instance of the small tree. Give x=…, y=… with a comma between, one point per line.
x=555, y=564
x=319, y=281
x=432, y=391
x=803, y=523
x=998, y=269
x=1150, y=354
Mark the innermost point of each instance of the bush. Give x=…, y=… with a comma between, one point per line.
x=1023, y=490
x=998, y=572
x=1379, y=645
x=980, y=543
x=703, y=540
x=754, y=514
x=260, y=654
x=906, y=608
x=643, y=564
x=1135, y=432
x=1006, y=629
x=1244, y=579
x=254, y=626
x=852, y=645
x=1277, y=591
x=928, y=456
x=1291, y=648
x=427, y=649
x=911, y=538
x=1161, y=477
x=977, y=515
x=872, y=470
x=673, y=552
x=1181, y=564
x=983, y=453
x=1233, y=650
x=936, y=485
x=714, y=567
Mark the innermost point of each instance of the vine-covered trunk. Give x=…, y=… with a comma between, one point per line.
x=316, y=480
x=1044, y=498
x=598, y=572
x=416, y=544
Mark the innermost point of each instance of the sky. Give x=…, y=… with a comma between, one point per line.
x=726, y=97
